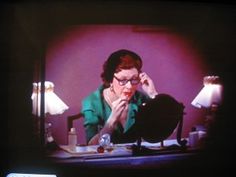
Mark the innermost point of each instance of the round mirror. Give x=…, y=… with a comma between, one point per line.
x=158, y=118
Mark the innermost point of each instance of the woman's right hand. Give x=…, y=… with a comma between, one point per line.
x=118, y=107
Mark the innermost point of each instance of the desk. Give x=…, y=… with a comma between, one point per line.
x=116, y=150
x=122, y=158
x=173, y=163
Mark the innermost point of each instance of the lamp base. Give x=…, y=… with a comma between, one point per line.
x=51, y=144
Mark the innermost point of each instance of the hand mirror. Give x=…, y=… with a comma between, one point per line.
x=157, y=119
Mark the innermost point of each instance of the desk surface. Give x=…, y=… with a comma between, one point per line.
x=82, y=151
x=171, y=163
x=121, y=155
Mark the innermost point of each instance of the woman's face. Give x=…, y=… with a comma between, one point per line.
x=125, y=83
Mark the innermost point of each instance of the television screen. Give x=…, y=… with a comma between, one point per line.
x=67, y=44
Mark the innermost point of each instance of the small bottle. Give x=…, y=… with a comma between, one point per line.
x=105, y=140
x=72, y=139
x=193, y=138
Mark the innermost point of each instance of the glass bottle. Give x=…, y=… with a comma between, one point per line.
x=72, y=139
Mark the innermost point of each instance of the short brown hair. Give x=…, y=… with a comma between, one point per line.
x=121, y=59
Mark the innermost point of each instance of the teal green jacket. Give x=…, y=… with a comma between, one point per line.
x=96, y=112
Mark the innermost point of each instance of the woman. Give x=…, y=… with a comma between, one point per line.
x=111, y=108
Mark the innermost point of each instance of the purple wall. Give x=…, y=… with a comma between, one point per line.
x=75, y=57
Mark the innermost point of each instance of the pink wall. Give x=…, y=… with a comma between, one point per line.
x=75, y=57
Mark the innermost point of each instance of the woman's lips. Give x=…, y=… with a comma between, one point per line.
x=128, y=94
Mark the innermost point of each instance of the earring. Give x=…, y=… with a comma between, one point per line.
x=111, y=88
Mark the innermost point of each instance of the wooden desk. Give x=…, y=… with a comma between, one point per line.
x=116, y=150
x=184, y=163
x=121, y=158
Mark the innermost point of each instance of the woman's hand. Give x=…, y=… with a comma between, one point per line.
x=147, y=85
x=119, y=107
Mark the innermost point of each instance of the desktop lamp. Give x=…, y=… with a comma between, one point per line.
x=52, y=105
x=211, y=93
x=209, y=98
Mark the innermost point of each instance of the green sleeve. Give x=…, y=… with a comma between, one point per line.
x=91, y=116
x=90, y=124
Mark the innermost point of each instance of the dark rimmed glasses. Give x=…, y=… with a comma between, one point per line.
x=123, y=82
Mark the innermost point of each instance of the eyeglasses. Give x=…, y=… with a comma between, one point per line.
x=123, y=82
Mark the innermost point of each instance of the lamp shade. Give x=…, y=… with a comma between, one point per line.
x=53, y=104
x=210, y=94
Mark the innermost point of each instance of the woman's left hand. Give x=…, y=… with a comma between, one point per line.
x=147, y=85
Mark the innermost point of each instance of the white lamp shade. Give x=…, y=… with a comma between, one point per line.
x=53, y=104
x=209, y=95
